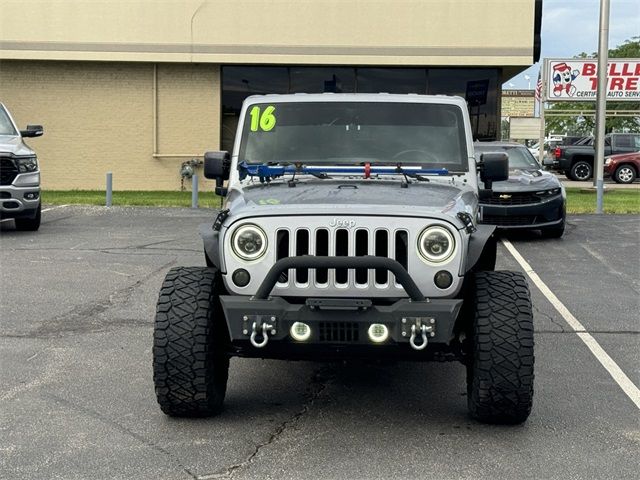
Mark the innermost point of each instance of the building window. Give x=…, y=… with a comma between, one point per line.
x=392, y=80
x=319, y=80
x=239, y=83
x=479, y=86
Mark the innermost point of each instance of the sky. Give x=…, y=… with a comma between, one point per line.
x=571, y=26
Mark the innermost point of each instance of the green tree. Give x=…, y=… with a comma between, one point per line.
x=583, y=124
x=505, y=128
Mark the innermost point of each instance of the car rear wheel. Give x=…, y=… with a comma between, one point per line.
x=581, y=171
x=624, y=174
x=500, y=368
x=30, y=224
x=190, y=344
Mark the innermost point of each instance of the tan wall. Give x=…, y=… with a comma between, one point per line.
x=349, y=32
x=99, y=117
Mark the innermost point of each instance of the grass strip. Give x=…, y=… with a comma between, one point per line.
x=129, y=198
x=626, y=201
x=615, y=200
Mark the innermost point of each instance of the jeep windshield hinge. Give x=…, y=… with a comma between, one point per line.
x=220, y=218
x=466, y=219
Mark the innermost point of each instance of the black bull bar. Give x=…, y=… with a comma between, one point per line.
x=366, y=261
x=253, y=319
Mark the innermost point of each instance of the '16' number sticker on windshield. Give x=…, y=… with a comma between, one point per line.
x=264, y=121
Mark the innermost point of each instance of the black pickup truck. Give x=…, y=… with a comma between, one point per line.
x=576, y=161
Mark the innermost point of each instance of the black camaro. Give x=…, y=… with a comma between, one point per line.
x=530, y=199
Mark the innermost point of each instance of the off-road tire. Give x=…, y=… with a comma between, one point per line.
x=190, y=344
x=30, y=224
x=581, y=171
x=500, y=370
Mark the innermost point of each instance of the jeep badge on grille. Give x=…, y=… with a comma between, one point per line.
x=342, y=223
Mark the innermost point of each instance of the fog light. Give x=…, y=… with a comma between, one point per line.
x=241, y=277
x=443, y=279
x=300, y=331
x=378, y=332
x=31, y=195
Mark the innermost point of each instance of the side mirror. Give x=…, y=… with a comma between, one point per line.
x=493, y=167
x=32, y=131
x=216, y=167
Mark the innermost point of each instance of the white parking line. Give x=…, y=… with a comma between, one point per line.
x=45, y=210
x=603, y=357
x=54, y=208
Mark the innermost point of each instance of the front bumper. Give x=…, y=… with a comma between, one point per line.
x=261, y=325
x=14, y=204
x=548, y=213
x=339, y=327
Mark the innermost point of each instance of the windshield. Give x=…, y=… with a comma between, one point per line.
x=6, y=127
x=519, y=157
x=348, y=133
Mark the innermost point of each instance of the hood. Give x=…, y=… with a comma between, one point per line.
x=625, y=156
x=527, y=180
x=353, y=192
x=14, y=145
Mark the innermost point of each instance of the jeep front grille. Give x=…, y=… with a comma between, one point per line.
x=341, y=242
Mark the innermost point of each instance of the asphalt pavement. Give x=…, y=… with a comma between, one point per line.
x=77, y=302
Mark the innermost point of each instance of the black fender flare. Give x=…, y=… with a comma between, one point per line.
x=210, y=239
x=482, y=248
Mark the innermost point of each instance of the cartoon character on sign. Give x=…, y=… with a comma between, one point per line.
x=563, y=79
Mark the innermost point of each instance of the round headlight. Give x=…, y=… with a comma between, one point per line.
x=249, y=242
x=436, y=244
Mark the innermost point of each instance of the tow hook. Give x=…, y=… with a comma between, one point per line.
x=421, y=328
x=259, y=327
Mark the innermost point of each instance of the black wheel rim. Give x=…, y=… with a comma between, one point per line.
x=583, y=172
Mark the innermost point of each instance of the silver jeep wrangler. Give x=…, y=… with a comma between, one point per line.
x=349, y=230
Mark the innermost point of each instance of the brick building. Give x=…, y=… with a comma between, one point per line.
x=138, y=87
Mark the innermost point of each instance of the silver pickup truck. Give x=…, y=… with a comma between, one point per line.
x=19, y=174
x=350, y=230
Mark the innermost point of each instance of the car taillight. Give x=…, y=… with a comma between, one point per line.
x=557, y=152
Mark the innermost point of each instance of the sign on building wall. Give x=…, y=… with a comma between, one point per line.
x=577, y=79
x=518, y=103
x=524, y=128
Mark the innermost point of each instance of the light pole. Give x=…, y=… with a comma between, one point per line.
x=528, y=79
x=601, y=105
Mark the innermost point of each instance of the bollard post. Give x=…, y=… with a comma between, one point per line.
x=109, y=189
x=194, y=191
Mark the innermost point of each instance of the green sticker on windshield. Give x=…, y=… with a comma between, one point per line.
x=264, y=121
x=268, y=201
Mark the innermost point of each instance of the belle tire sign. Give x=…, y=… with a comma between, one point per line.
x=577, y=80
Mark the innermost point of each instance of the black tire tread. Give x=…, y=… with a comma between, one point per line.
x=500, y=377
x=190, y=362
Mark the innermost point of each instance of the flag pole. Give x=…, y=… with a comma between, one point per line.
x=541, y=99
